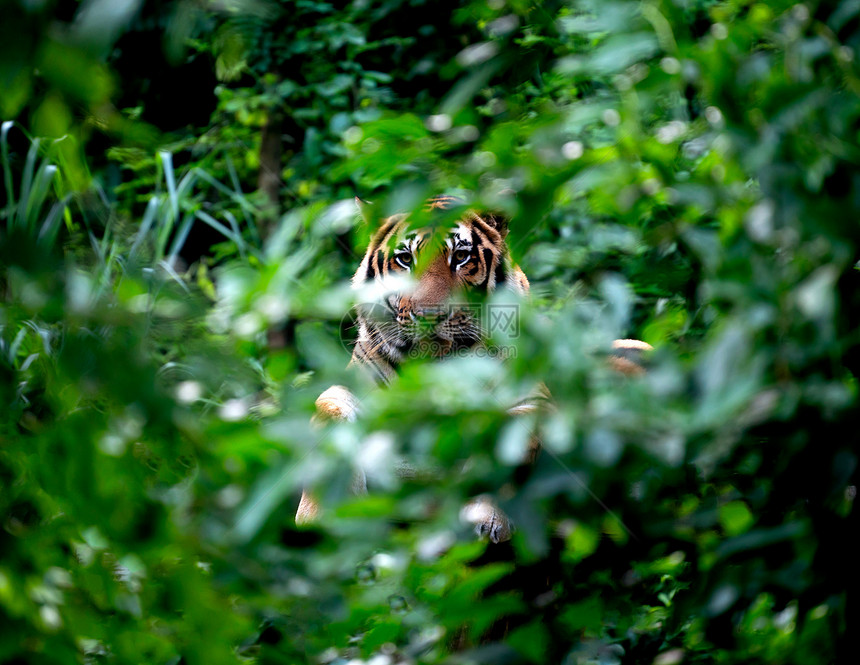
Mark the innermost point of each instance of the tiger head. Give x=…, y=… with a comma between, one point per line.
x=421, y=280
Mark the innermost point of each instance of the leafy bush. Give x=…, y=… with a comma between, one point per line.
x=678, y=172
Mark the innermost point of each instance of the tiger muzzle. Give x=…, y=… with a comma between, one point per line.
x=429, y=301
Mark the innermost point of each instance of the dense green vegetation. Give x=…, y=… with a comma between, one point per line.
x=177, y=232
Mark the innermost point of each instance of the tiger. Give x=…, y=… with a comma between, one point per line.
x=473, y=256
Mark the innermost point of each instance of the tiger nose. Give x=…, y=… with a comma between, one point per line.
x=434, y=287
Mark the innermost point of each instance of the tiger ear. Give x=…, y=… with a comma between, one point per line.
x=370, y=213
x=498, y=222
x=364, y=210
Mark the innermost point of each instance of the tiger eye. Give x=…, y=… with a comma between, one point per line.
x=405, y=258
x=461, y=255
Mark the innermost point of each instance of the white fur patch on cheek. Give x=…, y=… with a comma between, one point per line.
x=360, y=276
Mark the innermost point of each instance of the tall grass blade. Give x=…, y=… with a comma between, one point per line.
x=27, y=183
x=38, y=194
x=51, y=226
x=7, y=168
x=173, y=275
x=237, y=197
x=145, y=224
x=169, y=211
x=181, y=237
x=237, y=239
x=170, y=179
x=163, y=226
x=186, y=184
x=234, y=225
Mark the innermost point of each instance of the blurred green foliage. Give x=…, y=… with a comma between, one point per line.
x=681, y=171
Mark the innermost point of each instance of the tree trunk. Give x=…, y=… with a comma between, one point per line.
x=269, y=178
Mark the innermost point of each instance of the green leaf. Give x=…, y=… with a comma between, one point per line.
x=735, y=518
x=531, y=641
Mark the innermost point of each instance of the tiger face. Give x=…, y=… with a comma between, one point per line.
x=423, y=278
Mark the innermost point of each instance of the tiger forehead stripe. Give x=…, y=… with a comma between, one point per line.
x=460, y=237
x=442, y=202
x=377, y=264
x=412, y=242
